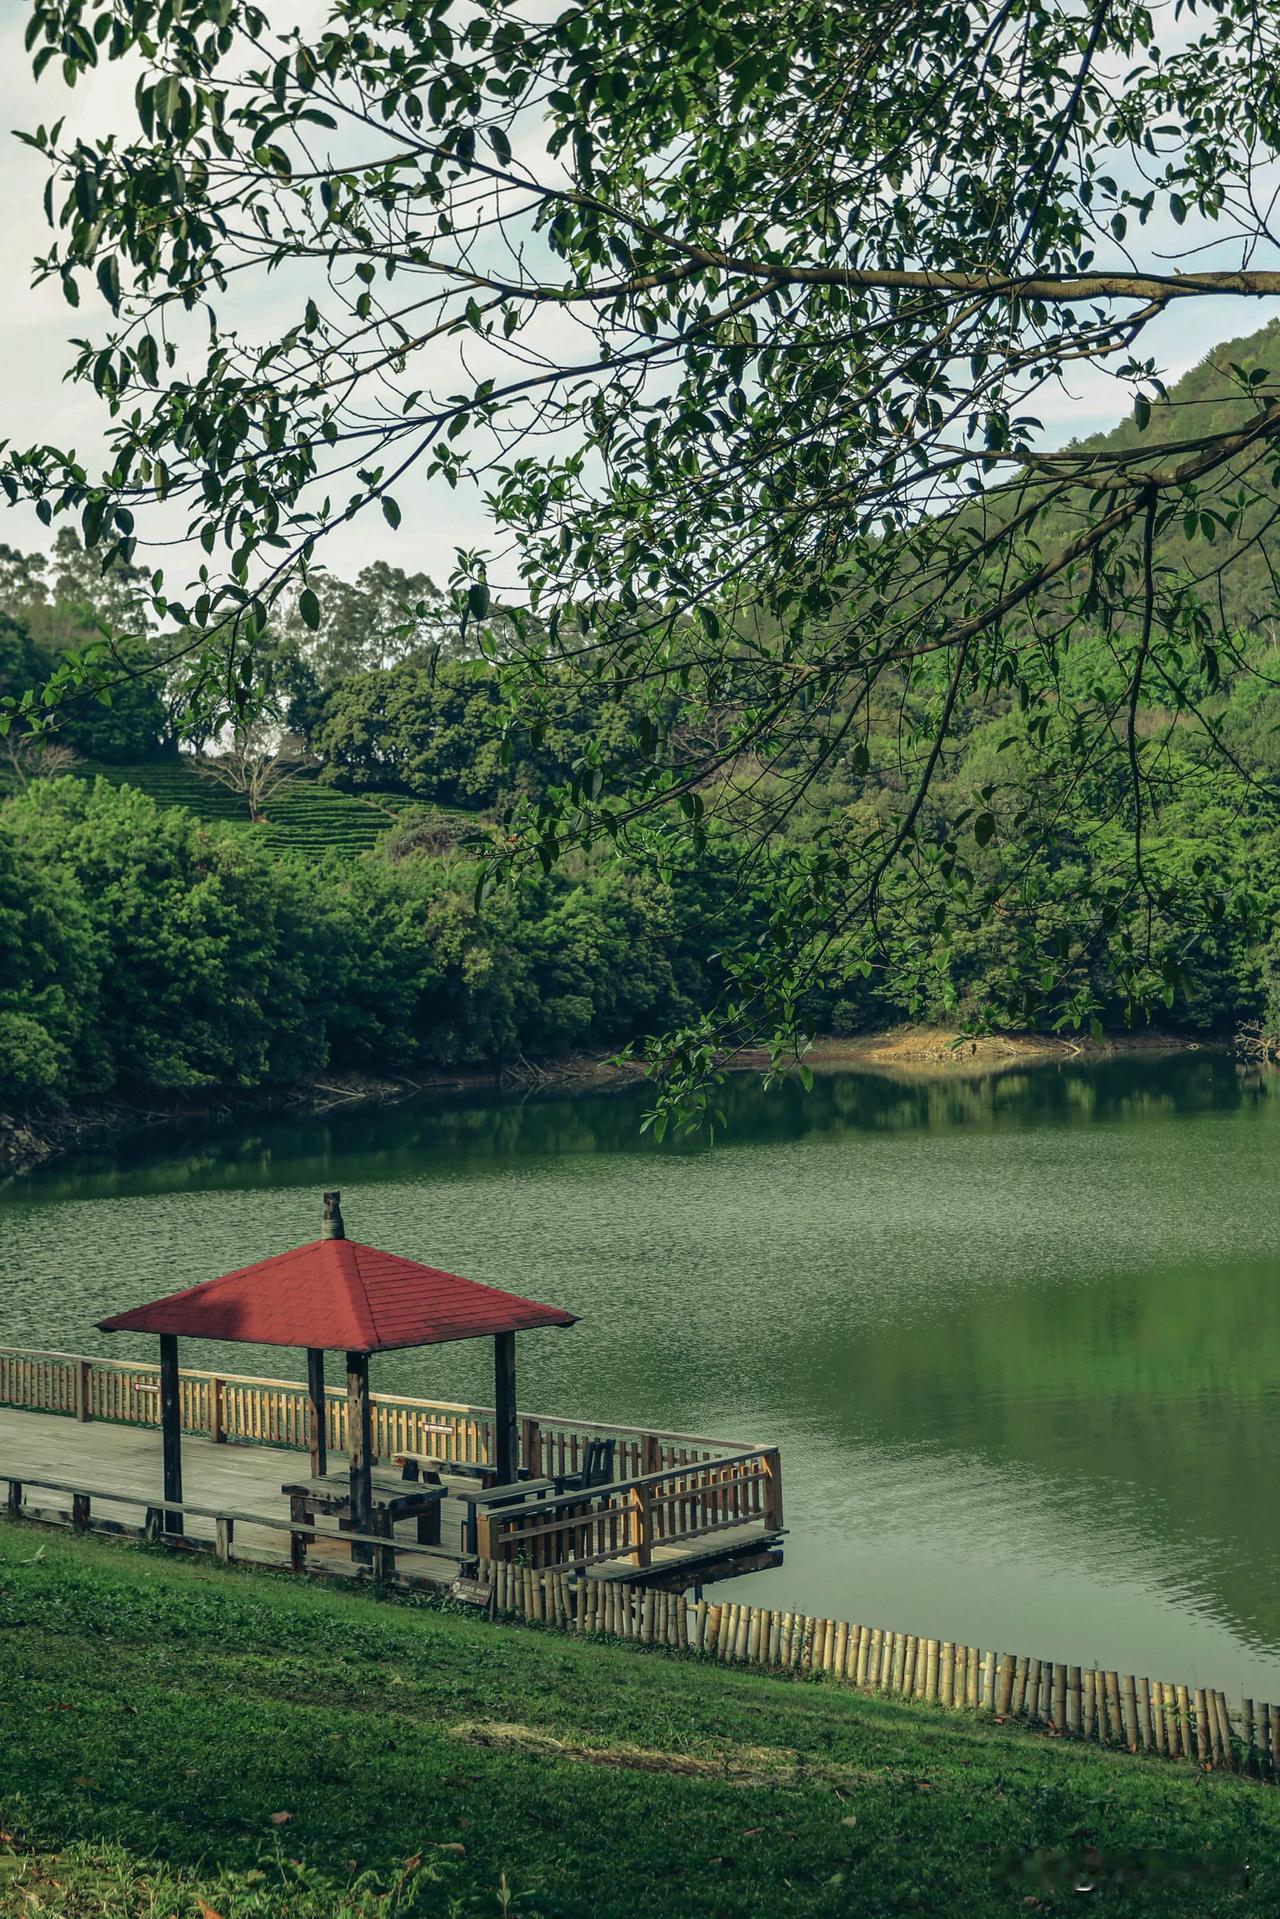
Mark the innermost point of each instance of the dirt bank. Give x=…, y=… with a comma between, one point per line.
x=907, y=1047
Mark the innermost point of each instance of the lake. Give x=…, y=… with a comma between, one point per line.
x=1017, y=1334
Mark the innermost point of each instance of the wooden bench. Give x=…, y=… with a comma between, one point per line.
x=434, y=1466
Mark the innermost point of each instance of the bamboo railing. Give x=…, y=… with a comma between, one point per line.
x=1132, y=1714
x=274, y=1412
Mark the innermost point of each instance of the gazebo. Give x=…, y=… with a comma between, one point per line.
x=337, y=1294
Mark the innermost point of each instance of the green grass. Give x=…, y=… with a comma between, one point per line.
x=304, y=817
x=156, y=1710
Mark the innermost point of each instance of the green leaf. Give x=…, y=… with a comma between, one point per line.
x=309, y=608
x=109, y=280
x=390, y=511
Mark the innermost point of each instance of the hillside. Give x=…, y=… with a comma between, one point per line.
x=305, y=817
x=274, y=1744
x=1208, y=398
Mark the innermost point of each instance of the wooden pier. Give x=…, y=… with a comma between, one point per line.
x=80, y=1442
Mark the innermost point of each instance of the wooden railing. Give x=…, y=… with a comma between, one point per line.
x=384, y=1556
x=632, y=1518
x=274, y=1412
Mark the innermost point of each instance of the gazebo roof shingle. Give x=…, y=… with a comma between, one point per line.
x=339, y=1295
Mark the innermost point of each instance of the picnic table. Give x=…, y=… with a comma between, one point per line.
x=393, y=1500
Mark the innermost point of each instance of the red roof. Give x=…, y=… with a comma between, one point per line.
x=340, y=1295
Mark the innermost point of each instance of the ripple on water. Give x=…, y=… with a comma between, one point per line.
x=1018, y=1338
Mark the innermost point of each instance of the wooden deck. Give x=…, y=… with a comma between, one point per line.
x=120, y=1466
x=244, y=1480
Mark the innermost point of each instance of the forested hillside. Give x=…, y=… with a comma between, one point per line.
x=1221, y=394
x=152, y=938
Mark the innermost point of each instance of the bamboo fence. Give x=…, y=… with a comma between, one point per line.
x=1119, y=1710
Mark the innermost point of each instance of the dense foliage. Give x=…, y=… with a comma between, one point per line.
x=55, y=615
x=743, y=315
x=143, y=951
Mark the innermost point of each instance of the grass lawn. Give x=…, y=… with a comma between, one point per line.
x=178, y=1738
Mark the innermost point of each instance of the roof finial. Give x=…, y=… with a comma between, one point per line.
x=333, y=1226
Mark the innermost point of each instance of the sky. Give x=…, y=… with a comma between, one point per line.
x=36, y=325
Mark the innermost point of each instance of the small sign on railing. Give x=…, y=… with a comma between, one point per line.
x=472, y=1592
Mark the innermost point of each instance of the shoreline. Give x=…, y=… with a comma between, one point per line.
x=29, y=1141
x=33, y=1140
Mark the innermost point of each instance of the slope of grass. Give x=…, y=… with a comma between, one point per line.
x=290, y=1749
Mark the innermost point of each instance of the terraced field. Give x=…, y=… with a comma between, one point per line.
x=304, y=817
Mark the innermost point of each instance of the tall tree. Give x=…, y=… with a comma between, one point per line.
x=742, y=314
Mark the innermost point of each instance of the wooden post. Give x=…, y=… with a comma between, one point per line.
x=315, y=1412
x=218, y=1411
x=300, y=1514
x=772, y=1462
x=226, y=1532
x=171, y=1427
x=80, y=1512
x=641, y=1541
x=332, y=1226
x=84, y=1410
x=359, y=1448
x=13, y=1500
x=506, y=1454
x=531, y=1447
x=384, y=1556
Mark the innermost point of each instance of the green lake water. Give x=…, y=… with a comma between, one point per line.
x=1018, y=1337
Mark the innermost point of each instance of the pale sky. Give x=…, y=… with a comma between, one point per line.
x=36, y=325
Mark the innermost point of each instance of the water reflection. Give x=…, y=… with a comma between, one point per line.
x=1018, y=1334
